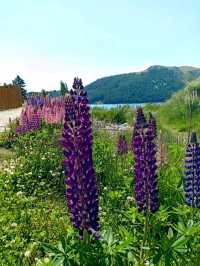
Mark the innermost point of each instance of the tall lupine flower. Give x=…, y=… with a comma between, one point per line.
x=122, y=146
x=81, y=189
x=144, y=149
x=192, y=172
x=151, y=165
x=138, y=148
x=24, y=124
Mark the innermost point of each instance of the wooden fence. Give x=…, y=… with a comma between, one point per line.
x=10, y=97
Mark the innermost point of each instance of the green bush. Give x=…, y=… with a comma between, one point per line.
x=38, y=163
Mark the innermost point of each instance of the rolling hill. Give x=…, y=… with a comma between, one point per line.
x=155, y=84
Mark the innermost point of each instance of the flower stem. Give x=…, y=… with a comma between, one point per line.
x=142, y=253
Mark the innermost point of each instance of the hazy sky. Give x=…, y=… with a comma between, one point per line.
x=45, y=41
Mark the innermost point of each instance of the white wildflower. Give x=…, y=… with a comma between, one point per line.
x=13, y=224
x=129, y=198
x=19, y=193
x=27, y=253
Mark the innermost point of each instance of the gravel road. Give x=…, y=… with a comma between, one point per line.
x=5, y=115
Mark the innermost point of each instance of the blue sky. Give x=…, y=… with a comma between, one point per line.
x=45, y=41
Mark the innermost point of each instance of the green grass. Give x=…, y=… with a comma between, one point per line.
x=5, y=154
x=26, y=222
x=175, y=113
x=33, y=207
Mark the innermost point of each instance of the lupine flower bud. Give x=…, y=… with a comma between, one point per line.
x=140, y=120
x=192, y=172
x=81, y=189
x=152, y=124
x=144, y=149
x=122, y=147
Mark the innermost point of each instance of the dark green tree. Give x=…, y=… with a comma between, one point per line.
x=63, y=88
x=18, y=81
x=44, y=93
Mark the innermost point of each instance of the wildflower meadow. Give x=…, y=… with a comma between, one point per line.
x=73, y=193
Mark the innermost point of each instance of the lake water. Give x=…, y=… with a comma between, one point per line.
x=109, y=106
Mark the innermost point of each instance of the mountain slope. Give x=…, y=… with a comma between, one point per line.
x=155, y=84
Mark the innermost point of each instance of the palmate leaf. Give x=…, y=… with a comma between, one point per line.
x=175, y=244
x=58, y=261
x=179, y=245
x=180, y=183
x=130, y=257
x=60, y=247
x=123, y=246
x=171, y=248
x=51, y=249
x=188, y=230
x=108, y=237
x=58, y=254
x=62, y=244
x=180, y=255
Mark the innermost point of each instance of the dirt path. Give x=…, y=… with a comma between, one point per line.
x=5, y=115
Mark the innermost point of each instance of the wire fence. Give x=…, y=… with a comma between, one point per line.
x=179, y=138
x=169, y=137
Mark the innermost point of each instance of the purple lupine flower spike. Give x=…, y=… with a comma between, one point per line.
x=25, y=123
x=192, y=172
x=24, y=127
x=139, y=151
x=81, y=188
x=122, y=147
x=140, y=120
x=19, y=130
x=35, y=122
x=152, y=166
x=144, y=149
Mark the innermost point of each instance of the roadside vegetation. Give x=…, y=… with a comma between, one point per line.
x=35, y=227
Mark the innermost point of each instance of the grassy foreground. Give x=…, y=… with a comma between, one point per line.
x=34, y=222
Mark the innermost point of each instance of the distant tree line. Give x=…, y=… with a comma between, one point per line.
x=53, y=93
